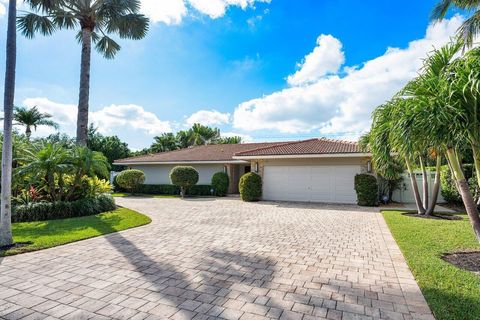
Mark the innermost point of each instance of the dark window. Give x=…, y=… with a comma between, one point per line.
x=248, y=169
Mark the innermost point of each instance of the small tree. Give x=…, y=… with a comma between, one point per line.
x=130, y=179
x=250, y=187
x=184, y=177
x=220, y=182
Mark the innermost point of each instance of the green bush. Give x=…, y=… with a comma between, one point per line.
x=116, y=186
x=130, y=180
x=220, y=182
x=41, y=211
x=250, y=187
x=449, y=190
x=366, y=186
x=184, y=177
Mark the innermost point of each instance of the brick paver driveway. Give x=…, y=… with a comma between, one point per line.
x=206, y=258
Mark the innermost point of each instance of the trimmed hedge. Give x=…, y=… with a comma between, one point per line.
x=41, y=211
x=220, y=182
x=169, y=189
x=250, y=187
x=366, y=186
x=130, y=179
x=184, y=177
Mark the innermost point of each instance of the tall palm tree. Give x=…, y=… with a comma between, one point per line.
x=203, y=135
x=165, y=142
x=471, y=27
x=97, y=19
x=9, y=95
x=32, y=118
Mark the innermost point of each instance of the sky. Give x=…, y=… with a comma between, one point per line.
x=266, y=70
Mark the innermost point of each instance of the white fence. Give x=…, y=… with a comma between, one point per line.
x=405, y=194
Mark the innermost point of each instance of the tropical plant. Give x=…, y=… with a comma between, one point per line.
x=470, y=27
x=229, y=140
x=130, y=180
x=97, y=20
x=203, y=135
x=32, y=118
x=184, y=177
x=250, y=187
x=165, y=142
x=110, y=146
x=6, y=237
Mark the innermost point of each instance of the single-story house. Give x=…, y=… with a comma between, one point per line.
x=314, y=170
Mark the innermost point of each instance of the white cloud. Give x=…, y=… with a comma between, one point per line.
x=3, y=7
x=326, y=58
x=172, y=12
x=342, y=105
x=208, y=118
x=109, y=120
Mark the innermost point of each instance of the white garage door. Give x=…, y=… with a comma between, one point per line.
x=334, y=184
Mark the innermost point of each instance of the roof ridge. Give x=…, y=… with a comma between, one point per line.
x=338, y=141
x=288, y=143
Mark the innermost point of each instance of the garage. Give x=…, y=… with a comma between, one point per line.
x=321, y=183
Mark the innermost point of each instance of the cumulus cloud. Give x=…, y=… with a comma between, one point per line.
x=172, y=12
x=340, y=104
x=109, y=120
x=208, y=118
x=326, y=58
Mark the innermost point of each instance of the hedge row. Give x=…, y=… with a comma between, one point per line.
x=168, y=189
x=42, y=211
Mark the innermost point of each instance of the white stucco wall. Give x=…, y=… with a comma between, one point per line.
x=160, y=174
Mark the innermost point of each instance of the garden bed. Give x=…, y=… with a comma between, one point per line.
x=465, y=260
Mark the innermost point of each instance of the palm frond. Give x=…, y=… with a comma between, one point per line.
x=107, y=47
x=129, y=26
x=32, y=23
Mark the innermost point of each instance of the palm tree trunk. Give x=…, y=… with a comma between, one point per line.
x=9, y=96
x=467, y=198
x=28, y=132
x=436, y=187
x=476, y=160
x=425, y=182
x=416, y=193
x=84, y=96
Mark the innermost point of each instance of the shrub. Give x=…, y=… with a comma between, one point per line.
x=41, y=211
x=220, y=182
x=116, y=186
x=449, y=190
x=366, y=187
x=131, y=179
x=250, y=187
x=184, y=177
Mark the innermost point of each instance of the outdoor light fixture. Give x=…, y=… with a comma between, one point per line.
x=256, y=167
x=369, y=166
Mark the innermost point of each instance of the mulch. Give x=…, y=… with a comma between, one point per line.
x=464, y=260
x=436, y=216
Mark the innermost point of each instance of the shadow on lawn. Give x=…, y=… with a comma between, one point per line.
x=209, y=280
x=446, y=306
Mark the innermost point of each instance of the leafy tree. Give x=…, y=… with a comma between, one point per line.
x=471, y=27
x=97, y=20
x=32, y=118
x=230, y=140
x=165, y=142
x=111, y=147
x=184, y=177
x=6, y=237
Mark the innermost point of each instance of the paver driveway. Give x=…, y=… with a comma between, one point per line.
x=206, y=258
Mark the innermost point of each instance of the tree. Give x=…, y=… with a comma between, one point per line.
x=111, y=147
x=165, y=142
x=97, y=20
x=184, y=177
x=230, y=140
x=203, y=135
x=6, y=237
x=32, y=118
x=471, y=27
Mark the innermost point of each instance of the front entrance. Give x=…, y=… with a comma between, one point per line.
x=236, y=172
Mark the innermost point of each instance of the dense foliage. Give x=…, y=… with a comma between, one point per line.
x=184, y=177
x=220, y=182
x=130, y=180
x=41, y=211
x=450, y=191
x=366, y=186
x=110, y=146
x=250, y=187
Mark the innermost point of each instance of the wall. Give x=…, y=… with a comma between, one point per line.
x=160, y=174
x=405, y=194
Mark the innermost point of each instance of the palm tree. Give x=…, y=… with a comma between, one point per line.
x=165, y=142
x=6, y=237
x=471, y=27
x=32, y=118
x=203, y=135
x=97, y=19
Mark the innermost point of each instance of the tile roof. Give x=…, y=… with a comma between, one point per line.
x=226, y=152
x=306, y=147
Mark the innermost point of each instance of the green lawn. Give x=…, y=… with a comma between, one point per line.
x=451, y=292
x=123, y=195
x=47, y=234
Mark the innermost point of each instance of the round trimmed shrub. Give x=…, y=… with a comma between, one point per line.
x=220, y=182
x=130, y=180
x=250, y=187
x=184, y=177
x=366, y=186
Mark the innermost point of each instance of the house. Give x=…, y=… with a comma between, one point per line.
x=314, y=170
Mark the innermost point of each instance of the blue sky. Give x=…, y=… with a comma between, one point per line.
x=257, y=68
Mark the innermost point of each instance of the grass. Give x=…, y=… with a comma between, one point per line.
x=452, y=293
x=47, y=234
x=124, y=195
